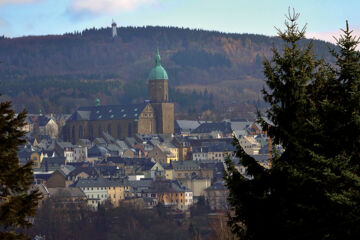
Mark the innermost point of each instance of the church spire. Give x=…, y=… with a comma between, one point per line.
x=157, y=58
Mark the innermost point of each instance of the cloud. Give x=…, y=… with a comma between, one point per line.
x=329, y=36
x=99, y=7
x=3, y=2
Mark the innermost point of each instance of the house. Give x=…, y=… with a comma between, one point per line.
x=172, y=193
x=164, y=153
x=52, y=163
x=249, y=144
x=56, y=180
x=97, y=152
x=68, y=195
x=47, y=126
x=101, y=189
x=184, y=127
x=190, y=169
x=216, y=196
x=80, y=153
x=82, y=173
x=196, y=185
x=65, y=149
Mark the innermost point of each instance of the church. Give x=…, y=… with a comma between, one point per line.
x=155, y=116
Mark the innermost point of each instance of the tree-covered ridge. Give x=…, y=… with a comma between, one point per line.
x=189, y=56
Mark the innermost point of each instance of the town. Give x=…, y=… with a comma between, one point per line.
x=138, y=153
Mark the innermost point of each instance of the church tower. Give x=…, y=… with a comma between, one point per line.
x=159, y=97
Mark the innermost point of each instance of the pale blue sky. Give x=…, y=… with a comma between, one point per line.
x=41, y=17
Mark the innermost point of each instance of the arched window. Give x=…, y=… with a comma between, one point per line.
x=129, y=130
x=99, y=131
x=109, y=129
x=73, y=134
x=91, y=132
x=119, y=131
x=80, y=131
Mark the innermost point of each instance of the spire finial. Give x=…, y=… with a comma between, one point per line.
x=157, y=58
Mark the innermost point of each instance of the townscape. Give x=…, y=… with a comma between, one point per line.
x=137, y=154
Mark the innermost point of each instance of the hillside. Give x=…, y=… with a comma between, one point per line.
x=207, y=70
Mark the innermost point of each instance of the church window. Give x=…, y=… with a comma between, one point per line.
x=129, y=129
x=135, y=109
x=124, y=115
x=119, y=131
x=122, y=110
x=97, y=112
x=91, y=132
x=80, y=131
x=112, y=116
x=135, y=115
x=73, y=134
x=110, y=111
x=100, y=117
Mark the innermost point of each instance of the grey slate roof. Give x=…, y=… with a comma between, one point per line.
x=185, y=165
x=108, y=112
x=101, y=182
x=224, y=127
x=43, y=120
x=73, y=192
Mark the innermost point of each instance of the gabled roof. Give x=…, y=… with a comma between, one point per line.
x=187, y=125
x=97, y=151
x=72, y=192
x=43, y=120
x=91, y=171
x=108, y=112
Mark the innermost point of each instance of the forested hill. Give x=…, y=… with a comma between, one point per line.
x=62, y=72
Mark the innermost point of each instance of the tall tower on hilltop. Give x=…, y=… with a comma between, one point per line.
x=159, y=97
x=114, y=30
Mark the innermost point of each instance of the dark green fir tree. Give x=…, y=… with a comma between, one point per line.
x=17, y=201
x=312, y=189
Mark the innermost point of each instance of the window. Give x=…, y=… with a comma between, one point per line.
x=109, y=129
x=99, y=131
x=80, y=131
x=129, y=129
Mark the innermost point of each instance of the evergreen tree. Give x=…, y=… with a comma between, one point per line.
x=311, y=191
x=17, y=201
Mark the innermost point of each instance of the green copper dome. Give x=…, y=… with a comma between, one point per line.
x=157, y=72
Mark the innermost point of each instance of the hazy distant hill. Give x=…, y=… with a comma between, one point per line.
x=59, y=73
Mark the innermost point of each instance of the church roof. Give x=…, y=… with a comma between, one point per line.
x=157, y=72
x=108, y=112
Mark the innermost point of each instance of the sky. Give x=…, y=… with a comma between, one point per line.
x=324, y=18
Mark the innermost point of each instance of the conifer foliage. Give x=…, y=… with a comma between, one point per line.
x=17, y=201
x=312, y=190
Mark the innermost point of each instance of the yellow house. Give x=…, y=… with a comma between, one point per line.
x=169, y=173
x=37, y=159
x=116, y=194
x=172, y=193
